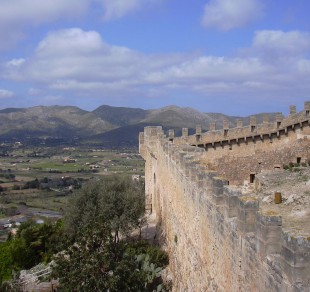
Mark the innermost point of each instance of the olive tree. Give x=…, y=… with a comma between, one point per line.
x=95, y=262
x=116, y=201
x=102, y=256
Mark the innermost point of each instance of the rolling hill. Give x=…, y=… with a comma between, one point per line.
x=107, y=126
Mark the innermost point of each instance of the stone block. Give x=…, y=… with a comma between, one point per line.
x=292, y=109
x=225, y=124
x=296, y=258
x=230, y=202
x=212, y=126
x=247, y=209
x=171, y=134
x=239, y=123
x=198, y=130
x=268, y=233
x=184, y=132
x=253, y=120
x=218, y=195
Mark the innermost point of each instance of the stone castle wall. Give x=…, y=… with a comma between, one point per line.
x=237, y=153
x=218, y=239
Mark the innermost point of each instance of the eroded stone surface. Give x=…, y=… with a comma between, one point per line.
x=222, y=237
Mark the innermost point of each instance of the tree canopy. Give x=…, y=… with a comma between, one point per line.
x=116, y=201
x=103, y=256
x=33, y=243
x=97, y=263
x=92, y=248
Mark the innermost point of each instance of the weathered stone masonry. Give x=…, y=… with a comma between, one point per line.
x=217, y=238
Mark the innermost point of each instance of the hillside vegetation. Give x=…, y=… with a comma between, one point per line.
x=107, y=125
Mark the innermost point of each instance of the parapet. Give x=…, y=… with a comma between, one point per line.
x=281, y=126
x=205, y=189
x=149, y=136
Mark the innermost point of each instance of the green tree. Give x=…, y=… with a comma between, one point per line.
x=103, y=257
x=6, y=262
x=95, y=262
x=37, y=242
x=118, y=201
x=32, y=244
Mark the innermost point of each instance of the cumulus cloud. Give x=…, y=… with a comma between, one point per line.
x=80, y=55
x=81, y=63
x=67, y=41
x=73, y=59
x=227, y=14
x=6, y=93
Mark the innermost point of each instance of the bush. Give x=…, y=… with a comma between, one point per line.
x=32, y=244
x=157, y=256
x=96, y=262
x=16, y=187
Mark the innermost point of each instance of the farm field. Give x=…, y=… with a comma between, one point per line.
x=37, y=183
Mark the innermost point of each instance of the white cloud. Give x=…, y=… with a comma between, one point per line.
x=80, y=55
x=229, y=14
x=16, y=16
x=37, y=11
x=67, y=41
x=6, y=93
x=15, y=62
x=118, y=8
x=81, y=63
x=114, y=9
x=277, y=43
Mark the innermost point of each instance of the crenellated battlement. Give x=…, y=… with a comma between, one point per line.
x=244, y=134
x=257, y=147
x=217, y=237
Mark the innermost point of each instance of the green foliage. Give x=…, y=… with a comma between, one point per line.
x=97, y=263
x=116, y=200
x=99, y=259
x=99, y=255
x=32, y=244
x=34, y=184
x=85, y=265
x=295, y=167
x=156, y=255
x=5, y=261
x=9, y=176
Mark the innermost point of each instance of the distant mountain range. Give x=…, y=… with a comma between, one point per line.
x=106, y=126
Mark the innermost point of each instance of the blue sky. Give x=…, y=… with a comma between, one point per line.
x=237, y=57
